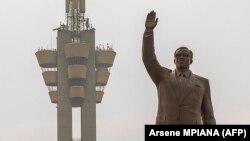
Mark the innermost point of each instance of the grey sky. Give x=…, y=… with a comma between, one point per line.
x=218, y=32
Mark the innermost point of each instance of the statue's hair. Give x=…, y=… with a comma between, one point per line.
x=190, y=52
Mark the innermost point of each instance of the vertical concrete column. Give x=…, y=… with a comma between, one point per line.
x=64, y=107
x=88, y=109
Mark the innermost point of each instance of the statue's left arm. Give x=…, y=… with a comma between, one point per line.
x=207, y=107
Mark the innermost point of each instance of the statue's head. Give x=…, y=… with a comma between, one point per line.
x=183, y=58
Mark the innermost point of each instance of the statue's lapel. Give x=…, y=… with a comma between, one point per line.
x=174, y=85
x=188, y=88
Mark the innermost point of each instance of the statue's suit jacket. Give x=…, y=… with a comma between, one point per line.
x=176, y=105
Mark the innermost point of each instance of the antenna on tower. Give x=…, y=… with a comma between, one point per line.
x=75, y=17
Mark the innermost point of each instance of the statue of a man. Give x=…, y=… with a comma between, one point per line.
x=183, y=97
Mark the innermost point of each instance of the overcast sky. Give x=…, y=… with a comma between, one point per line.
x=218, y=32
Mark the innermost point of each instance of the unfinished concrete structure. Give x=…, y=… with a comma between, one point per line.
x=76, y=72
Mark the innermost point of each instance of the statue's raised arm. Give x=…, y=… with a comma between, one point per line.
x=148, y=54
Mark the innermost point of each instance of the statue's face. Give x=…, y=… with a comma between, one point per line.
x=182, y=59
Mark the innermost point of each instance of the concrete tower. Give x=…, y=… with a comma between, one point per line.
x=76, y=72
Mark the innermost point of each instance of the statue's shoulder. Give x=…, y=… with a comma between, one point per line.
x=200, y=77
x=166, y=70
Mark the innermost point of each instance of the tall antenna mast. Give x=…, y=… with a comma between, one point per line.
x=75, y=17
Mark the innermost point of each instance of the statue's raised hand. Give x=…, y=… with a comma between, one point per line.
x=151, y=22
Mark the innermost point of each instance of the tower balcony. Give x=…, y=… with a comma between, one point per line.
x=102, y=76
x=53, y=96
x=47, y=58
x=99, y=95
x=50, y=78
x=76, y=94
x=78, y=50
x=77, y=71
x=104, y=58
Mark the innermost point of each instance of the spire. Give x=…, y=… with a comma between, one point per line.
x=75, y=17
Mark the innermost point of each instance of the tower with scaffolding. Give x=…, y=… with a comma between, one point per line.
x=76, y=72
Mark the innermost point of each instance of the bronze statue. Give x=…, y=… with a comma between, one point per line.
x=183, y=97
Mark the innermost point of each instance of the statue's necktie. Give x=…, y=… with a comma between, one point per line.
x=182, y=82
